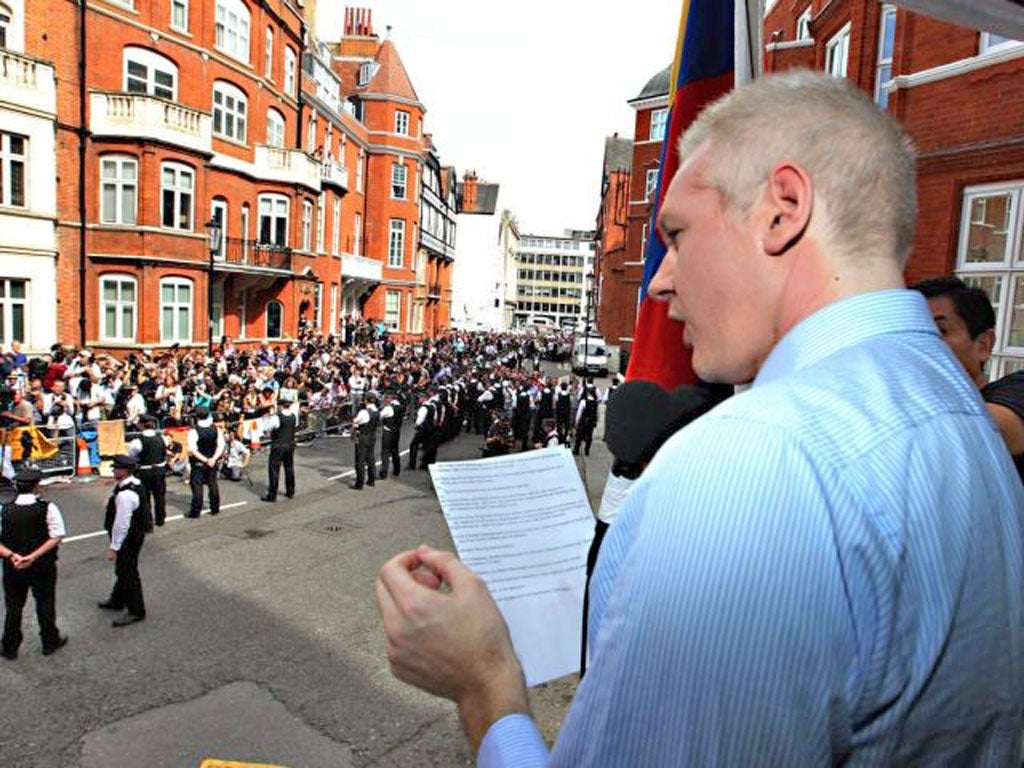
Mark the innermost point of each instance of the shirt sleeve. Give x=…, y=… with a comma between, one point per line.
x=55, y=522
x=363, y=417
x=125, y=504
x=192, y=441
x=421, y=415
x=134, y=448
x=514, y=741
x=220, y=445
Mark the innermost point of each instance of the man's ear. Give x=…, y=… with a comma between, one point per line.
x=789, y=199
x=985, y=343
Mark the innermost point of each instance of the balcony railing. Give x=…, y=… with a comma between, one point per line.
x=332, y=173
x=291, y=166
x=27, y=82
x=361, y=268
x=139, y=115
x=236, y=252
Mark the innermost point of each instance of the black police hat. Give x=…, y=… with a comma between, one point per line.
x=121, y=461
x=28, y=476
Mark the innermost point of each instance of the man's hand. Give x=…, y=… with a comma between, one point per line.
x=111, y=555
x=19, y=561
x=451, y=643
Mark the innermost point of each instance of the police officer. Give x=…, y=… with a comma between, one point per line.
x=31, y=529
x=563, y=411
x=205, y=447
x=150, y=450
x=432, y=438
x=364, y=429
x=127, y=522
x=391, y=416
x=422, y=430
x=586, y=419
x=521, y=414
x=281, y=428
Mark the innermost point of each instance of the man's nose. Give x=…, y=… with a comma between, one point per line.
x=661, y=287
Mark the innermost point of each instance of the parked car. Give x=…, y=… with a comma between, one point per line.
x=590, y=356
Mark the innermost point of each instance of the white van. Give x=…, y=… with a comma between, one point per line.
x=590, y=356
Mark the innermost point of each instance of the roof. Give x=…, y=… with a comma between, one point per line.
x=391, y=78
x=656, y=86
x=618, y=154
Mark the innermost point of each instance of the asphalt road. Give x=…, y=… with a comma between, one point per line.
x=262, y=641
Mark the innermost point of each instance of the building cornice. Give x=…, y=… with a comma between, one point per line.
x=786, y=45
x=395, y=99
x=384, y=149
x=650, y=102
x=957, y=68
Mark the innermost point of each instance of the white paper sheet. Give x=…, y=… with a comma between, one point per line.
x=523, y=523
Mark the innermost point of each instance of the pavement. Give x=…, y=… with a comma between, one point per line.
x=262, y=641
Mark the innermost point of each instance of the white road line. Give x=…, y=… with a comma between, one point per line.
x=84, y=536
x=350, y=472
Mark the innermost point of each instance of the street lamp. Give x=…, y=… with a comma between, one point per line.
x=590, y=304
x=213, y=232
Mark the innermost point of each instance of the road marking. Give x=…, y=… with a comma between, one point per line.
x=83, y=536
x=350, y=472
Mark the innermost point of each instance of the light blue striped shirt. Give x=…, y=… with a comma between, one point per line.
x=824, y=569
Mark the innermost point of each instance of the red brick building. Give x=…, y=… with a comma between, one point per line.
x=958, y=92
x=307, y=156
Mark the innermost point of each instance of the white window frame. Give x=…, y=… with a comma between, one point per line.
x=179, y=192
x=7, y=305
x=357, y=235
x=153, y=63
x=399, y=181
x=359, y=172
x=659, y=124
x=232, y=23
x=336, y=228
x=837, y=53
x=332, y=321
x=881, y=89
x=1008, y=272
x=6, y=26
x=989, y=42
x=803, y=25
x=392, y=314
x=219, y=212
x=321, y=221
x=401, y=122
x=289, y=70
x=311, y=135
x=245, y=216
x=275, y=128
x=178, y=317
x=183, y=6
x=650, y=183
x=121, y=334
x=9, y=160
x=230, y=102
x=268, y=54
x=270, y=207
x=122, y=187
x=396, y=243
x=318, y=306
x=266, y=318
x=307, y=224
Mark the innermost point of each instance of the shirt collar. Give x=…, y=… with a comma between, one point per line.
x=26, y=498
x=844, y=324
x=207, y=422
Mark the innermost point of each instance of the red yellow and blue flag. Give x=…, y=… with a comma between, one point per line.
x=703, y=69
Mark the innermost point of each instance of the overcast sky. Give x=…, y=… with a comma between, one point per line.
x=526, y=92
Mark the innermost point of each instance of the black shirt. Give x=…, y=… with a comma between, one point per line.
x=1009, y=393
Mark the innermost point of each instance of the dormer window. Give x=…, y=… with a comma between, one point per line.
x=366, y=72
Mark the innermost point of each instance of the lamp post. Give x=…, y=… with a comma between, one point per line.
x=213, y=232
x=590, y=304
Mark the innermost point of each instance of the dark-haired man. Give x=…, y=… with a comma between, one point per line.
x=967, y=323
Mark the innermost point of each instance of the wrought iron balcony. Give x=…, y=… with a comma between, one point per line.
x=237, y=254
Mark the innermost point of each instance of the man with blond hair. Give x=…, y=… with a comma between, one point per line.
x=824, y=569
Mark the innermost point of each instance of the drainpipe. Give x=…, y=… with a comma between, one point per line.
x=82, y=136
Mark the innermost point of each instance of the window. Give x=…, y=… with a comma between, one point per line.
x=118, y=189
x=990, y=256
x=219, y=214
x=396, y=243
x=886, y=43
x=333, y=319
x=359, y=172
x=117, y=308
x=275, y=317
x=229, y=110
x=392, y=310
x=245, y=232
x=275, y=128
x=273, y=220
x=179, y=15
x=366, y=72
x=13, y=151
x=231, y=26
x=992, y=42
x=176, y=185
x=357, y=235
x=398, y=181
x=803, y=25
x=268, y=54
x=837, y=52
x=311, y=135
x=659, y=119
x=336, y=228
x=307, y=223
x=175, y=310
x=651, y=184
x=318, y=306
x=321, y=217
x=13, y=300
x=150, y=73
x=289, y=71
x=6, y=16
x=401, y=122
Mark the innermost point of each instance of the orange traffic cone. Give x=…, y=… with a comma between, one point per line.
x=254, y=435
x=84, y=467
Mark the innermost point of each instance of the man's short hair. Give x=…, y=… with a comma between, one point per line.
x=971, y=303
x=860, y=160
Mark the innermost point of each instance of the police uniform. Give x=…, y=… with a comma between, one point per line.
x=391, y=416
x=586, y=420
x=423, y=431
x=281, y=428
x=563, y=411
x=150, y=450
x=127, y=521
x=30, y=527
x=365, y=433
x=204, y=442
